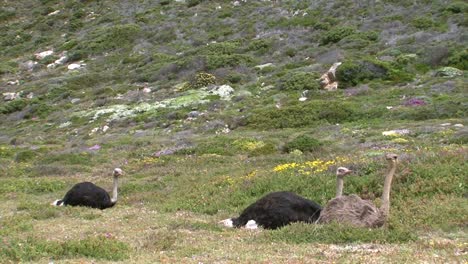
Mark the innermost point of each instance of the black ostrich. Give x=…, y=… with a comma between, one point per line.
x=278, y=209
x=88, y=194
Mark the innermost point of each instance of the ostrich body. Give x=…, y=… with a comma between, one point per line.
x=276, y=210
x=90, y=195
x=355, y=211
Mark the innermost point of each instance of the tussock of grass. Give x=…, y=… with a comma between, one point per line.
x=33, y=248
x=338, y=234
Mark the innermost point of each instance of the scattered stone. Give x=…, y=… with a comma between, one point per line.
x=43, y=54
x=389, y=107
x=30, y=95
x=11, y=96
x=66, y=124
x=448, y=72
x=29, y=65
x=264, y=65
x=224, y=130
x=458, y=125
x=446, y=124
x=105, y=128
x=16, y=82
x=328, y=80
x=193, y=114
x=57, y=62
x=75, y=100
x=75, y=66
x=146, y=90
x=224, y=91
x=303, y=96
x=53, y=13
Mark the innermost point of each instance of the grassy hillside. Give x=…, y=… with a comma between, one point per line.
x=208, y=105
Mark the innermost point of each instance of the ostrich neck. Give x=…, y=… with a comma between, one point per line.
x=385, y=208
x=114, y=190
x=339, y=186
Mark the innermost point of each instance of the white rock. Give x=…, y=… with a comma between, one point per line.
x=66, y=124
x=75, y=66
x=224, y=91
x=43, y=54
x=11, y=96
x=16, y=82
x=105, y=128
x=30, y=95
x=458, y=125
x=302, y=99
x=54, y=13
x=75, y=100
x=396, y=132
x=261, y=66
x=446, y=124
x=389, y=107
x=146, y=90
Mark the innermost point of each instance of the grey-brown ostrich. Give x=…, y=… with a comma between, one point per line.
x=88, y=194
x=278, y=209
x=355, y=211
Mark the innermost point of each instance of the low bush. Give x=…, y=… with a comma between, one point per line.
x=336, y=34
x=303, y=143
x=299, y=81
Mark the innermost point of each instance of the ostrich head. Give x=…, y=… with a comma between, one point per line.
x=118, y=172
x=343, y=171
x=391, y=158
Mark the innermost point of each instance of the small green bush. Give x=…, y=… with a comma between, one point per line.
x=13, y=106
x=336, y=34
x=459, y=60
x=423, y=22
x=223, y=61
x=299, y=81
x=303, y=143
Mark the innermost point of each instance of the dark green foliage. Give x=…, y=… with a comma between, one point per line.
x=303, y=143
x=8, y=67
x=260, y=46
x=423, y=22
x=459, y=60
x=108, y=39
x=457, y=7
x=192, y=3
x=82, y=158
x=299, y=81
x=309, y=114
x=221, y=61
x=13, y=106
x=336, y=34
x=6, y=14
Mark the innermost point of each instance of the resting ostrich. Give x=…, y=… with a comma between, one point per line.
x=278, y=209
x=358, y=212
x=88, y=194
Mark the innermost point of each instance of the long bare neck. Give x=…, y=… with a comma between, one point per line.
x=114, y=189
x=339, y=186
x=385, y=207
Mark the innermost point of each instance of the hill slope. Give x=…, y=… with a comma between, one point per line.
x=208, y=105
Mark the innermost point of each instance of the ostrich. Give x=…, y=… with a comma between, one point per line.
x=358, y=212
x=88, y=194
x=278, y=209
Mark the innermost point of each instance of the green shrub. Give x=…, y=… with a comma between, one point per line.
x=222, y=61
x=336, y=34
x=6, y=14
x=310, y=113
x=8, y=67
x=459, y=60
x=299, y=81
x=303, y=143
x=260, y=46
x=108, y=39
x=423, y=22
x=457, y=7
x=13, y=106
